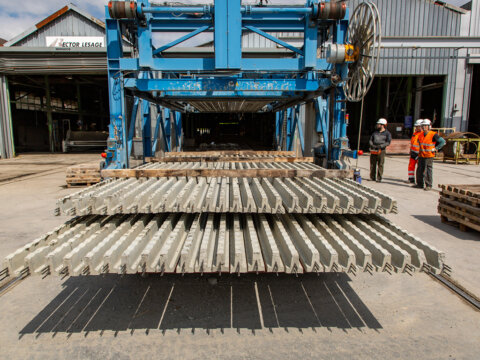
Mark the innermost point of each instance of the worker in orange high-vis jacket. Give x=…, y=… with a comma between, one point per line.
x=414, y=150
x=430, y=142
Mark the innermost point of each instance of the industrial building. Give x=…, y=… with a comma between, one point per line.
x=53, y=76
x=49, y=86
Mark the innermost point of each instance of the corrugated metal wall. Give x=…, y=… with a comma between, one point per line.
x=415, y=18
x=252, y=40
x=420, y=18
x=69, y=24
x=475, y=23
x=409, y=18
x=6, y=138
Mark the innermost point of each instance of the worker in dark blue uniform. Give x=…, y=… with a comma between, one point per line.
x=379, y=141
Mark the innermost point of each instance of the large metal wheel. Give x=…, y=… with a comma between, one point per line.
x=364, y=33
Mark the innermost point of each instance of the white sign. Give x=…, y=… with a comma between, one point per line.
x=76, y=41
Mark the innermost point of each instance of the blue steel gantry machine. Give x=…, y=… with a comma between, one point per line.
x=336, y=64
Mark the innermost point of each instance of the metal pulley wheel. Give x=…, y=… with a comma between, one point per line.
x=364, y=34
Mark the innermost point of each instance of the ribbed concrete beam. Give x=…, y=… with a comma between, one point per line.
x=232, y=243
x=218, y=195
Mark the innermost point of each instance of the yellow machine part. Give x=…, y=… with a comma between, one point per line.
x=351, y=53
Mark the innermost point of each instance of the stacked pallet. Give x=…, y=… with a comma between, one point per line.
x=460, y=204
x=83, y=174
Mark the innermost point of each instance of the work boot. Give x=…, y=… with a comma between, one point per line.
x=379, y=180
x=411, y=181
x=427, y=188
x=417, y=186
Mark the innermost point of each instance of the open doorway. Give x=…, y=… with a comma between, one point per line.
x=42, y=119
x=244, y=131
x=401, y=100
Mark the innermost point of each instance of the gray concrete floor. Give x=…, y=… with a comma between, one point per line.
x=332, y=315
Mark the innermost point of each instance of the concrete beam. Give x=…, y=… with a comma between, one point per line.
x=232, y=243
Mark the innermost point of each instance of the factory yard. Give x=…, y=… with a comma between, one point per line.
x=251, y=316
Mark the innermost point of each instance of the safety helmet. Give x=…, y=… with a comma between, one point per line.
x=419, y=122
x=382, y=121
x=426, y=122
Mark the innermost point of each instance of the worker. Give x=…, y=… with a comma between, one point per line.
x=430, y=142
x=379, y=141
x=414, y=149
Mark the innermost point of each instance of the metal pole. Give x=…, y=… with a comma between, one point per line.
x=49, y=114
x=331, y=119
x=79, y=102
x=359, y=132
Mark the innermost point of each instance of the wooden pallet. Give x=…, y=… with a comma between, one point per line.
x=460, y=205
x=83, y=174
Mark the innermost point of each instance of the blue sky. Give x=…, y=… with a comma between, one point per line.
x=15, y=19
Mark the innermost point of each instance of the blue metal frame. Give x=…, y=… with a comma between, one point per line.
x=285, y=83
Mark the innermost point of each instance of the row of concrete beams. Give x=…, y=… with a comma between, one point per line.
x=227, y=153
x=224, y=243
x=232, y=158
x=228, y=165
x=236, y=195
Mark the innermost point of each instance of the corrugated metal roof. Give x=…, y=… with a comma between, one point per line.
x=69, y=20
x=45, y=60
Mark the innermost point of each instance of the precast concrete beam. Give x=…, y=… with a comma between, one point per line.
x=217, y=194
x=218, y=243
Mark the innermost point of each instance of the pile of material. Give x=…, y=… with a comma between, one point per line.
x=462, y=147
x=460, y=205
x=231, y=156
x=83, y=174
x=226, y=217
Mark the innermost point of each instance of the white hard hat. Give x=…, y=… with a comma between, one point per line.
x=419, y=122
x=426, y=122
x=382, y=121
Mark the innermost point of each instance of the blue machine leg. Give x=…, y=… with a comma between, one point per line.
x=321, y=125
x=146, y=129
x=178, y=130
x=166, y=128
x=158, y=125
x=133, y=120
x=278, y=128
x=117, y=150
x=163, y=114
x=291, y=127
x=300, y=129
x=117, y=156
x=280, y=134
